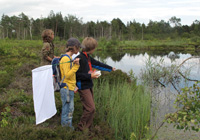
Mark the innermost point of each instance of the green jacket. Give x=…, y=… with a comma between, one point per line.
x=47, y=50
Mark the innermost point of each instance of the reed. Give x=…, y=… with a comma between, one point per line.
x=124, y=106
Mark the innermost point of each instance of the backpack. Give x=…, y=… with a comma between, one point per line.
x=57, y=81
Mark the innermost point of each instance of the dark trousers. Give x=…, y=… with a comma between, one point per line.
x=87, y=101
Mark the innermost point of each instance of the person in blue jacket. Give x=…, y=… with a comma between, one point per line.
x=84, y=77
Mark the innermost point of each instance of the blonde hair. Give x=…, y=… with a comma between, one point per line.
x=46, y=35
x=89, y=44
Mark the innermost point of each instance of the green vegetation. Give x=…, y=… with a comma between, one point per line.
x=17, y=118
x=187, y=102
x=123, y=107
x=189, y=44
x=187, y=116
x=181, y=44
x=65, y=26
x=17, y=59
x=126, y=107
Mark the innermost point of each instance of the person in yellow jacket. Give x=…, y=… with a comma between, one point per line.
x=68, y=71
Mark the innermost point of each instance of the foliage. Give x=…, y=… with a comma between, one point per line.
x=187, y=103
x=125, y=106
x=122, y=105
x=16, y=54
x=65, y=26
x=108, y=44
x=115, y=76
x=5, y=117
x=17, y=118
x=176, y=21
x=132, y=76
x=187, y=116
x=195, y=40
x=158, y=74
x=103, y=44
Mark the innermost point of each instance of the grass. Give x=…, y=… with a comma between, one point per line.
x=17, y=120
x=154, y=44
x=125, y=114
x=15, y=54
x=181, y=44
x=126, y=107
x=126, y=111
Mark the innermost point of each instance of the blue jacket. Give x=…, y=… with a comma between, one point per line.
x=83, y=78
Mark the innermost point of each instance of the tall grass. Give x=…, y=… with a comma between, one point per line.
x=124, y=106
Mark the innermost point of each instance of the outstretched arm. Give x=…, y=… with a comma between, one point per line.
x=101, y=66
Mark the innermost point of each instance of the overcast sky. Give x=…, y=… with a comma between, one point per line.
x=92, y=10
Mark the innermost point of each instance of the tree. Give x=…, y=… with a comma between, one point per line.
x=134, y=30
x=195, y=27
x=25, y=22
x=91, y=28
x=23, y=27
x=1, y=31
x=105, y=26
x=30, y=28
x=59, y=25
x=15, y=26
x=73, y=26
x=118, y=28
x=6, y=24
x=38, y=26
x=175, y=21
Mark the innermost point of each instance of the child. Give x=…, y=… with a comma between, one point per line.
x=84, y=78
x=69, y=71
x=48, y=47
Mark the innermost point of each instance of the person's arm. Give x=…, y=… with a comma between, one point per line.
x=101, y=66
x=86, y=76
x=46, y=51
x=49, y=58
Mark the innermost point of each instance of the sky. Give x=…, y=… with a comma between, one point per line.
x=141, y=11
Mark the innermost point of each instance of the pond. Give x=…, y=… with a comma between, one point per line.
x=127, y=60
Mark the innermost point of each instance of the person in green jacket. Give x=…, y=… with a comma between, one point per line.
x=48, y=47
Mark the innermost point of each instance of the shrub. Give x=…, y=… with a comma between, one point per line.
x=187, y=116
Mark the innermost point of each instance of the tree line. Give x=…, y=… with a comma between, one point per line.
x=23, y=27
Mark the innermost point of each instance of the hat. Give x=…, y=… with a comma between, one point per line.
x=74, y=42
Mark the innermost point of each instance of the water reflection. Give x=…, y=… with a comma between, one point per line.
x=135, y=59
x=162, y=98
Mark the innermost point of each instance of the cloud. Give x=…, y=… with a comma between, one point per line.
x=126, y=10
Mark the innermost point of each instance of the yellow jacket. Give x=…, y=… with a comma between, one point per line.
x=70, y=74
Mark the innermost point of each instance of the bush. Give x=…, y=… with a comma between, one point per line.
x=114, y=77
x=195, y=39
x=188, y=105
